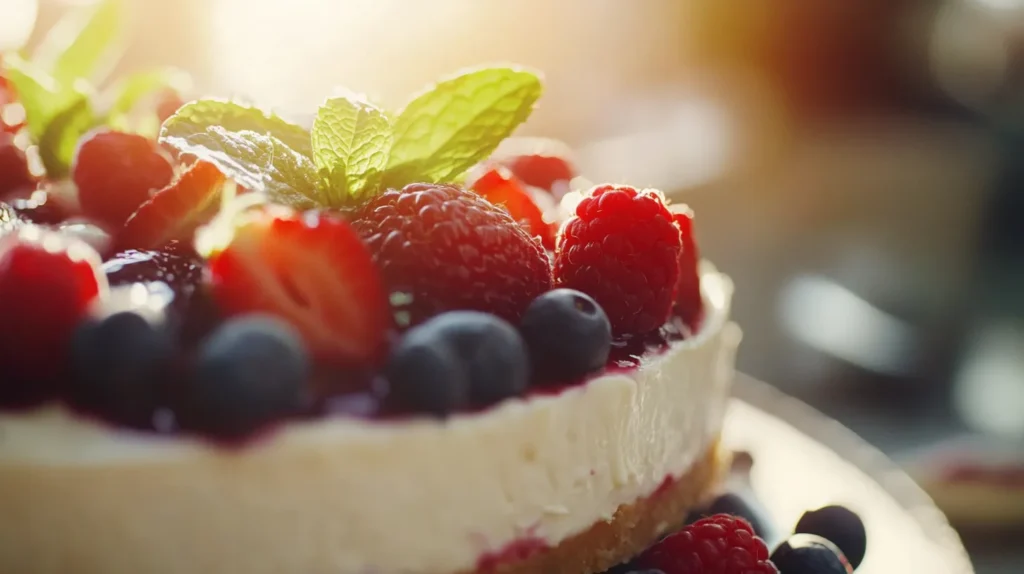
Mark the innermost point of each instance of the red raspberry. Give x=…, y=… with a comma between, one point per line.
x=47, y=282
x=622, y=248
x=719, y=544
x=15, y=175
x=689, y=304
x=116, y=172
x=452, y=249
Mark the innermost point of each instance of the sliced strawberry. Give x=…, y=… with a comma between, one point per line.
x=500, y=187
x=311, y=270
x=175, y=211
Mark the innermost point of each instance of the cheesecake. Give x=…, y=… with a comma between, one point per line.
x=326, y=349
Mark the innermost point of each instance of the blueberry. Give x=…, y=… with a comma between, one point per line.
x=809, y=554
x=839, y=525
x=426, y=374
x=458, y=358
x=744, y=506
x=250, y=372
x=121, y=368
x=568, y=335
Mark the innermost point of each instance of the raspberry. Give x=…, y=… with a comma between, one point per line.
x=116, y=172
x=689, y=304
x=719, y=544
x=622, y=248
x=452, y=249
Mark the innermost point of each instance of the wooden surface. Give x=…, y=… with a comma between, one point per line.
x=803, y=460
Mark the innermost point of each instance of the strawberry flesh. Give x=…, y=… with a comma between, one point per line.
x=311, y=270
x=174, y=212
x=500, y=187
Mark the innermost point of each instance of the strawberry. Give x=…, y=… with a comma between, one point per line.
x=500, y=187
x=311, y=270
x=174, y=212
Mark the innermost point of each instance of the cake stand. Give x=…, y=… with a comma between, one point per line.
x=803, y=460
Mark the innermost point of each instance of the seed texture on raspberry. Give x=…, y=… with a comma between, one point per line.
x=622, y=248
x=689, y=304
x=450, y=249
x=720, y=544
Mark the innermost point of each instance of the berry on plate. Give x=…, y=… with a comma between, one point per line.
x=122, y=365
x=455, y=359
x=251, y=372
x=689, y=304
x=622, y=248
x=116, y=172
x=41, y=208
x=311, y=270
x=176, y=211
x=744, y=506
x=810, y=554
x=840, y=526
x=47, y=283
x=568, y=335
x=501, y=188
x=719, y=544
x=452, y=249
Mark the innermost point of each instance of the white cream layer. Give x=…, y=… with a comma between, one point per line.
x=343, y=496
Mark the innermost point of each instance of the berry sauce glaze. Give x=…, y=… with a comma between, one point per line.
x=363, y=394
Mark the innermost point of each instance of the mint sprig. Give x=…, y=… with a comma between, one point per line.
x=354, y=150
x=249, y=145
x=351, y=140
x=458, y=122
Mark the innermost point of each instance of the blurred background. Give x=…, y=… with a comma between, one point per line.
x=857, y=166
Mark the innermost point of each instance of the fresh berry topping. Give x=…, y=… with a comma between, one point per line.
x=840, y=526
x=689, y=305
x=541, y=162
x=175, y=211
x=501, y=188
x=744, y=507
x=251, y=372
x=719, y=544
x=116, y=172
x=176, y=265
x=568, y=335
x=40, y=208
x=15, y=176
x=622, y=249
x=452, y=249
x=810, y=554
x=122, y=365
x=47, y=282
x=457, y=358
x=311, y=270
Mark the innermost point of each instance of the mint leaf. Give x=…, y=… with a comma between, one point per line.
x=247, y=145
x=351, y=139
x=42, y=96
x=57, y=144
x=237, y=116
x=81, y=42
x=458, y=122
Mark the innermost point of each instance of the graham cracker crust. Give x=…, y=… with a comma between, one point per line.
x=633, y=529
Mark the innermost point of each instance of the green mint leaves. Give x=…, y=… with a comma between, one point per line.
x=259, y=150
x=458, y=122
x=355, y=149
x=351, y=144
x=57, y=85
